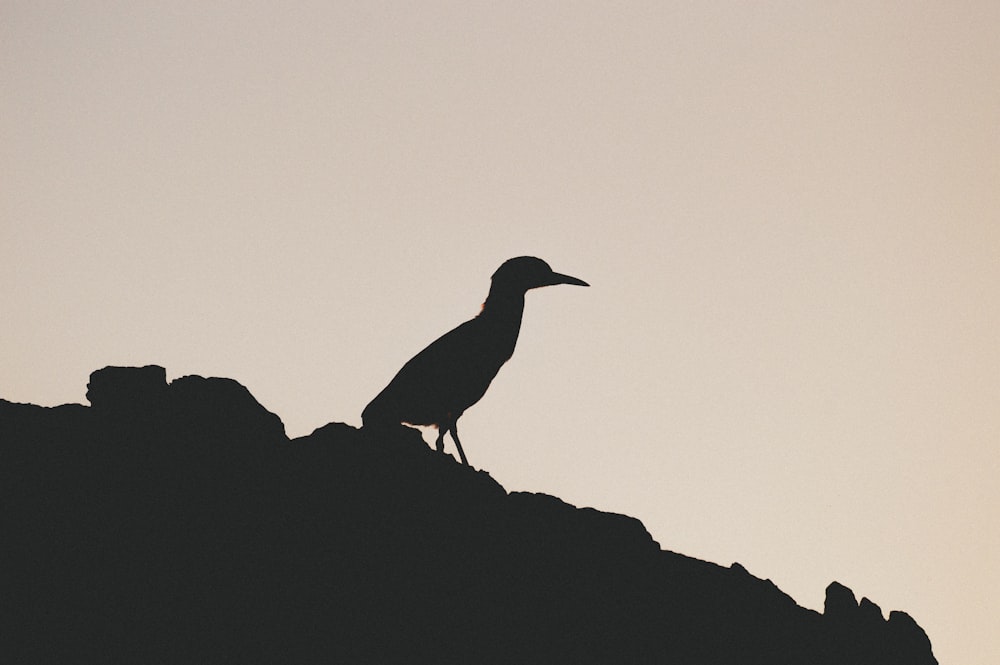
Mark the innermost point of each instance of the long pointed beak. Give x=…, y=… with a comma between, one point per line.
x=559, y=278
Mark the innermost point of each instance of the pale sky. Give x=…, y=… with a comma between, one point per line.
x=789, y=214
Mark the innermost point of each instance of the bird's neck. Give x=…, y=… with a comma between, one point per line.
x=502, y=313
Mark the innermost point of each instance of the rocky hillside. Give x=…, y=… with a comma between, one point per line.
x=178, y=524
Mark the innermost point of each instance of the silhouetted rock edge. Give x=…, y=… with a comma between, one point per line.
x=176, y=522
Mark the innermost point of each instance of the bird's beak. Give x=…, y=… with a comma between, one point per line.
x=558, y=278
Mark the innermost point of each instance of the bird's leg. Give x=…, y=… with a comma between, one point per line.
x=439, y=444
x=458, y=444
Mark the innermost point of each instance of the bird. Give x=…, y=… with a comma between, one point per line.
x=437, y=385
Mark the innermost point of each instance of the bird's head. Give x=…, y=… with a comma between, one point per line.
x=527, y=272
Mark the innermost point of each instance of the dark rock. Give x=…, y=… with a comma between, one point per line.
x=124, y=389
x=840, y=603
x=907, y=638
x=177, y=523
x=870, y=613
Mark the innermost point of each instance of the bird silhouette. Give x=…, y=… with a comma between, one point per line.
x=438, y=384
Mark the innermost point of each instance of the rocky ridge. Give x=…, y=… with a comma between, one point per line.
x=177, y=523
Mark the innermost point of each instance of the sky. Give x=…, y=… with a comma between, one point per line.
x=788, y=212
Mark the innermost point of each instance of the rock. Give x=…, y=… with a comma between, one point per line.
x=840, y=603
x=177, y=523
x=908, y=639
x=870, y=613
x=126, y=388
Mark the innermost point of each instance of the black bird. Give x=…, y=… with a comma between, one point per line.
x=438, y=384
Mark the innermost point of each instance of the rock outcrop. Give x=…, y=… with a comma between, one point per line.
x=178, y=524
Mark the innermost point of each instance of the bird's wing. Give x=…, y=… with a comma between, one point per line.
x=451, y=374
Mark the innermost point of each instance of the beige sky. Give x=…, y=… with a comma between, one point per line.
x=789, y=213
